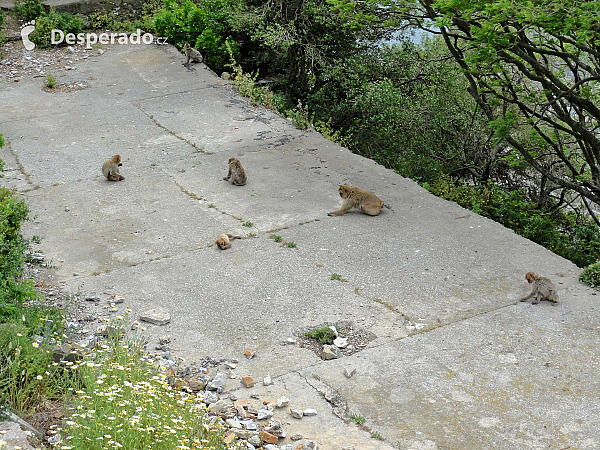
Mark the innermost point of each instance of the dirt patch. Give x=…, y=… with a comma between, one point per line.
x=17, y=62
x=66, y=87
x=357, y=338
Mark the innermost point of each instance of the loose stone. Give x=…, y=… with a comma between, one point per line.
x=349, y=371
x=247, y=382
x=156, y=316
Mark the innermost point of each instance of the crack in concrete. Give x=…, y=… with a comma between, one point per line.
x=158, y=124
x=21, y=168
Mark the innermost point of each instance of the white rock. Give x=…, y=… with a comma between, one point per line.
x=310, y=412
x=341, y=342
x=267, y=380
x=296, y=413
x=349, y=371
x=282, y=402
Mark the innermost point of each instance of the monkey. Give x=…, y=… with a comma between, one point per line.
x=223, y=240
x=355, y=197
x=236, y=174
x=191, y=54
x=543, y=289
x=110, y=169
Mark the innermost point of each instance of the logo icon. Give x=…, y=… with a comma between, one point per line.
x=26, y=30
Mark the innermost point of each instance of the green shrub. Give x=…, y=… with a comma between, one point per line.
x=28, y=9
x=1, y=145
x=324, y=335
x=12, y=245
x=207, y=26
x=66, y=22
x=103, y=20
x=591, y=275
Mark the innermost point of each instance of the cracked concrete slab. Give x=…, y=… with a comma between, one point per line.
x=455, y=362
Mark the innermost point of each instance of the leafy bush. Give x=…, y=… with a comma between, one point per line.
x=206, y=25
x=66, y=22
x=28, y=9
x=103, y=20
x=591, y=275
x=1, y=145
x=12, y=245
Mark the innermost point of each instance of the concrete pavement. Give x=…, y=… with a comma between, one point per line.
x=455, y=362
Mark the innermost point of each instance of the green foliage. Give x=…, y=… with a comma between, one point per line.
x=591, y=275
x=336, y=276
x=324, y=335
x=1, y=145
x=126, y=402
x=208, y=26
x=103, y=20
x=248, y=224
x=276, y=238
x=247, y=86
x=12, y=245
x=28, y=10
x=291, y=245
x=53, y=20
x=50, y=80
x=27, y=375
x=357, y=419
x=300, y=116
x=2, y=36
x=575, y=239
x=392, y=105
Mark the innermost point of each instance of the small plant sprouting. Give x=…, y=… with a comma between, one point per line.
x=248, y=224
x=50, y=81
x=324, y=335
x=36, y=239
x=376, y=435
x=338, y=277
x=276, y=238
x=291, y=245
x=211, y=205
x=357, y=419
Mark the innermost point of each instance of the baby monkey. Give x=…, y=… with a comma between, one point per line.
x=223, y=240
x=354, y=197
x=237, y=174
x=191, y=54
x=543, y=289
x=110, y=169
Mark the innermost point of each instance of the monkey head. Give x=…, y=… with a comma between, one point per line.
x=343, y=190
x=531, y=277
